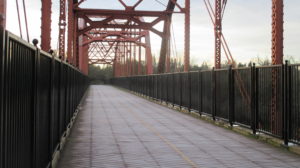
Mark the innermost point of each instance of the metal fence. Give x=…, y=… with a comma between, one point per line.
x=265, y=99
x=38, y=97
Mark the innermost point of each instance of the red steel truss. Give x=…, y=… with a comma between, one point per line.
x=119, y=37
x=122, y=36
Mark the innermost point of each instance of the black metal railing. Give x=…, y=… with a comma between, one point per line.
x=264, y=99
x=241, y=100
x=38, y=96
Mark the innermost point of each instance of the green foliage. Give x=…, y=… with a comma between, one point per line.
x=103, y=74
x=100, y=74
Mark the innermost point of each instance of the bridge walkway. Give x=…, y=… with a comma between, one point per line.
x=116, y=129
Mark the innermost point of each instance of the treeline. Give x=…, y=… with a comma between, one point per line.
x=102, y=74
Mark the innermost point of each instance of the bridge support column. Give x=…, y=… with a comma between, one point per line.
x=83, y=55
x=164, y=46
x=82, y=50
x=70, y=30
x=187, y=37
x=218, y=32
x=277, y=32
x=140, y=59
x=277, y=58
x=62, y=29
x=148, y=55
x=3, y=14
x=46, y=25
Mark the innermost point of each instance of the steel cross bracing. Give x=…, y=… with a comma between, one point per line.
x=106, y=20
x=126, y=27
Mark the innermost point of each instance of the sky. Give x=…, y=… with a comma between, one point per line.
x=246, y=27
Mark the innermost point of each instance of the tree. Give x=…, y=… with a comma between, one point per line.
x=100, y=74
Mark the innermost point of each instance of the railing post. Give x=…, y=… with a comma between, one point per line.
x=2, y=53
x=67, y=107
x=253, y=98
x=157, y=86
x=231, y=95
x=286, y=83
x=190, y=91
x=144, y=85
x=129, y=83
x=51, y=126
x=162, y=79
x=140, y=85
x=6, y=93
x=199, y=92
x=289, y=101
x=180, y=88
x=35, y=104
x=147, y=86
x=61, y=98
x=173, y=89
x=167, y=88
x=213, y=94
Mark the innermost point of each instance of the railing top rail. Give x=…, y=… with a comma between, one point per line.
x=17, y=39
x=242, y=68
x=294, y=65
x=269, y=66
x=217, y=70
x=46, y=54
x=208, y=70
x=11, y=36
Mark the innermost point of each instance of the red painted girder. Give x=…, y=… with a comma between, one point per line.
x=277, y=32
x=277, y=58
x=75, y=43
x=218, y=31
x=70, y=30
x=3, y=13
x=46, y=25
x=116, y=40
x=140, y=59
x=82, y=51
x=116, y=32
x=166, y=39
x=148, y=55
x=106, y=12
x=164, y=46
x=105, y=24
x=62, y=28
x=106, y=39
x=187, y=36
